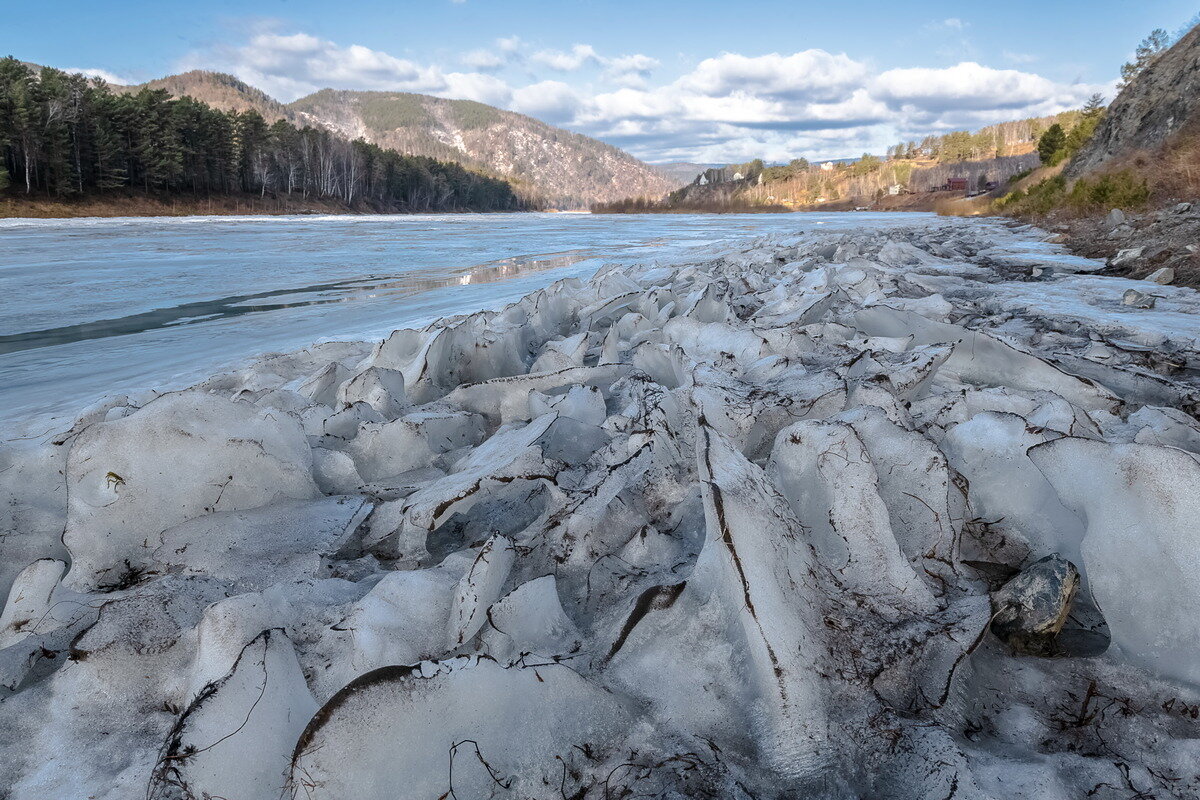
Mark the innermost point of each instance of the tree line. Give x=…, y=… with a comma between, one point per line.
x=63, y=135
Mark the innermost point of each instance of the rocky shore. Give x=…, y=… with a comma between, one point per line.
x=905, y=514
x=1164, y=243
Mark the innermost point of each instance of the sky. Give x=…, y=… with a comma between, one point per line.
x=703, y=80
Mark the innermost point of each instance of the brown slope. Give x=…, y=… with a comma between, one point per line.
x=569, y=169
x=216, y=89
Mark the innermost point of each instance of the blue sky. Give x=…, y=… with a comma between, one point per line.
x=697, y=80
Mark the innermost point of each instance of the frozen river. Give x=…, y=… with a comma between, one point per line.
x=97, y=306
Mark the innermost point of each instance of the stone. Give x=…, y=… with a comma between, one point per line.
x=1136, y=299
x=1056, y=238
x=1116, y=217
x=1126, y=256
x=1163, y=275
x=1031, y=609
x=1183, y=208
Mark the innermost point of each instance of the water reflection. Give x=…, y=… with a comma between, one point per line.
x=371, y=287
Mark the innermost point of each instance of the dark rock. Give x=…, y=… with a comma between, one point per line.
x=1032, y=608
x=1155, y=104
x=1136, y=299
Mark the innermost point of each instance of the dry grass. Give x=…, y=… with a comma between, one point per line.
x=17, y=205
x=965, y=206
x=1174, y=171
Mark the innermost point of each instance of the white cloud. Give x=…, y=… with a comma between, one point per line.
x=810, y=74
x=507, y=51
x=292, y=65
x=727, y=107
x=631, y=70
x=102, y=74
x=480, y=88
x=1019, y=58
x=971, y=87
x=484, y=59
x=576, y=58
x=552, y=101
x=510, y=44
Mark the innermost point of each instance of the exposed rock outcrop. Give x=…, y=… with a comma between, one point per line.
x=1157, y=103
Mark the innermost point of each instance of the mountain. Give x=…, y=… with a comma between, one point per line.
x=1153, y=108
x=568, y=169
x=217, y=90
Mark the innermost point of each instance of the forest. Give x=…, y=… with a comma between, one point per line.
x=63, y=136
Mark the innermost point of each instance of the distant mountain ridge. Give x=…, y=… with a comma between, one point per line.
x=568, y=169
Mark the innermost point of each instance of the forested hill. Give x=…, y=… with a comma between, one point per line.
x=910, y=176
x=65, y=137
x=221, y=91
x=568, y=169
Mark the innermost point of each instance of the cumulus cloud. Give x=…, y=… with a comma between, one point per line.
x=507, y=51
x=102, y=74
x=724, y=108
x=807, y=75
x=484, y=60
x=576, y=58
x=971, y=87
x=552, y=101
x=290, y=65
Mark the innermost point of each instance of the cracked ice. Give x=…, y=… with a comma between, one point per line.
x=726, y=528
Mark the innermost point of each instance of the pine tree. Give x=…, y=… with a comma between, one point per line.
x=64, y=134
x=1050, y=143
x=1147, y=51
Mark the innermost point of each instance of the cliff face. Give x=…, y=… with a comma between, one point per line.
x=1156, y=104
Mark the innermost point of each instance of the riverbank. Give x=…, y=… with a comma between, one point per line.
x=727, y=514
x=1164, y=242
x=152, y=206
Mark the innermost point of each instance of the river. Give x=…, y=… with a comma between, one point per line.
x=99, y=306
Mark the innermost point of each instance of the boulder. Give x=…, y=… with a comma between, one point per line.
x=1126, y=256
x=1163, y=275
x=1031, y=609
x=1115, y=217
x=1136, y=299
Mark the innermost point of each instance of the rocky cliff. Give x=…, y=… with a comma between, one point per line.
x=1155, y=104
